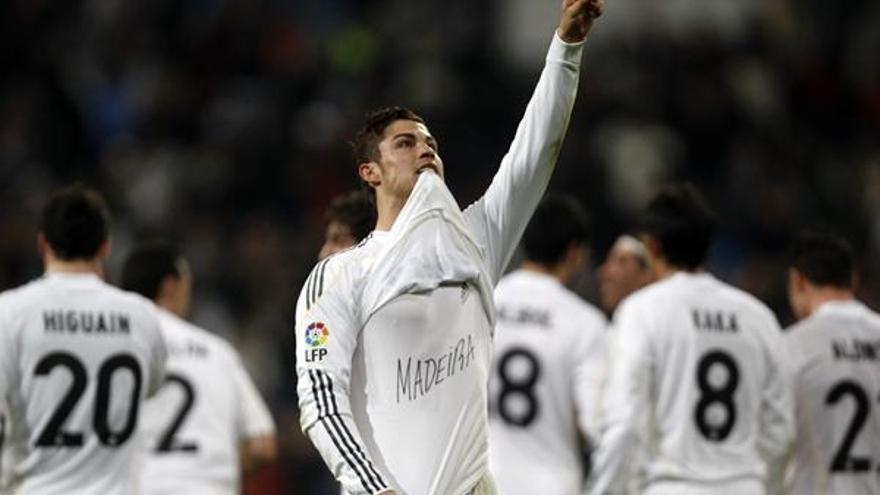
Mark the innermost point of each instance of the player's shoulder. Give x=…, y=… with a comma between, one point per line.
x=746, y=301
x=180, y=331
x=336, y=272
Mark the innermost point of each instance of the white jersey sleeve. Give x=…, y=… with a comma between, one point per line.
x=499, y=218
x=589, y=359
x=626, y=395
x=254, y=418
x=327, y=332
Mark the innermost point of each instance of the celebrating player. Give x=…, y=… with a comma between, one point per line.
x=625, y=270
x=350, y=218
x=548, y=363
x=695, y=379
x=393, y=336
x=79, y=357
x=208, y=424
x=834, y=354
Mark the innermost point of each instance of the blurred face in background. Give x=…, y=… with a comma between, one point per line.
x=625, y=270
x=406, y=150
x=337, y=237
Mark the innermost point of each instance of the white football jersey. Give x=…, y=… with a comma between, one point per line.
x=395, y=394
x=696, y=381
x=195, y=425
x=835, y=361
x=79, y=357
x=547, y=373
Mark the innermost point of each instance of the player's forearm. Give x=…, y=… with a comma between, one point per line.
x=325, y=415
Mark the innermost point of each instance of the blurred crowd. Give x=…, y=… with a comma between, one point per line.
x=223, y=125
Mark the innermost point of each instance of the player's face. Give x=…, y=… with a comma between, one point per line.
x=620, y=275
x=406, y=150
x=337, y=237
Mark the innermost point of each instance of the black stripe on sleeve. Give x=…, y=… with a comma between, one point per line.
x=329, y=427
x=313, y=290
x=309, y=290
x=363, y=458
x=321, y=281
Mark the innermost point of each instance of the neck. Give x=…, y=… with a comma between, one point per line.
x=664, y=270
x=54, y=265
x=822, y=295
x=387, y=208
x=558, y=272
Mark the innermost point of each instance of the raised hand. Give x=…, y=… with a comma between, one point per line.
x=577, y=18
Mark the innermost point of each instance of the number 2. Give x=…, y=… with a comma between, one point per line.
x=167, y=442
x=844, y=462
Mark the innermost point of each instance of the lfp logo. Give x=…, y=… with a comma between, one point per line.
x=317, y=335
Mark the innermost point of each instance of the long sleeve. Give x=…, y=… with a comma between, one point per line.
x=776, y=420
x=588, y=375
x=626, y=397
x=499, y=218
x=255, y=420
x=326, y=338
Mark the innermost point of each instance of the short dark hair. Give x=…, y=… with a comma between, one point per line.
x=147, y=265
x=680, y=220
x=356, y=210
x=76, y=222
x=365, y=147
x=559, y=221
x=824, y=258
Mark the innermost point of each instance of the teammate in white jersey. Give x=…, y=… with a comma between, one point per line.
x=208, y=423
x=78, y=357
x=696, y=380
x=626, y=269
x=350, y=217
x=548, y=363
x=834, y=354
x=393, y=336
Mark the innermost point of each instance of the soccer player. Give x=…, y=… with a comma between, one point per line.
x=625, y=270
x=834, y=354
x=548, y=362
x=79, y=357
x=350, y=218
x=393, y=336
x=208, y=423
x=695, y=379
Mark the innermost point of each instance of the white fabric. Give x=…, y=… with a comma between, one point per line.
x=88, y=326
x=547, y=373
x=347, y=374
x=668, y=338
x=202, y=455
x=838, y=347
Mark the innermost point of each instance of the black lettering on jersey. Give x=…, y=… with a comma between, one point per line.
x=190, y=349
x=525, y=316
x=86, y=322
x=714, y=321
x=856, y=350
x=417, y=377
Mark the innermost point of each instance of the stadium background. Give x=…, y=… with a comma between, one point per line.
x=222, y=124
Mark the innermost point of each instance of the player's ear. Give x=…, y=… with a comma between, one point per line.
x=796, y=280
x=42, y=245
x=104, y=250
x=370, y=173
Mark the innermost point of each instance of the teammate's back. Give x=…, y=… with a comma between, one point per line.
x=548, y=361
x=834, y=354
x=696, y=376
x=713, y=353
x=208, y=414
x=79, y=357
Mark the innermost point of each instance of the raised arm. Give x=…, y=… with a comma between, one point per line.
x=326, y=337
x=500, y=216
